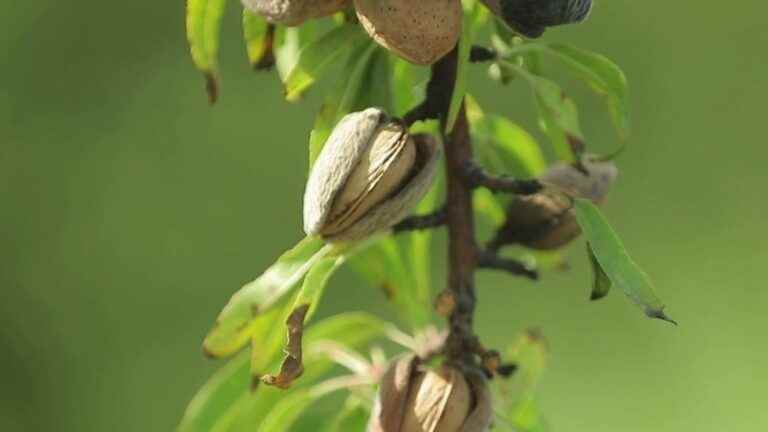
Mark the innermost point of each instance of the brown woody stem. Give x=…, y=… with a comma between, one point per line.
x=462, y=347
x=461, y=343
x=489, y=259
x=478, y=177
x=421, y=222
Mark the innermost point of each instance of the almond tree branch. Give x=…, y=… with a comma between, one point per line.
x=461, y=342
x=479, y=54
x=476, y=176
x=490, y=260
x=462, y=346
x=421, y=222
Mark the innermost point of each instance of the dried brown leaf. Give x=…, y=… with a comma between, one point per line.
x=292, y=366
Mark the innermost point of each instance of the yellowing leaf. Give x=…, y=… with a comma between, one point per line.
x=203, y=24
x=235, y=323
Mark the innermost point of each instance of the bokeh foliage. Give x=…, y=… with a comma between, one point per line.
x=107, y=224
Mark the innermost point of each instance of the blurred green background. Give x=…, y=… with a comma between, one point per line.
x=130, y=211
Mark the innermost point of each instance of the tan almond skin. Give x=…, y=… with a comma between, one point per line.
x=528, y=213
x=381, y=170
x=438, y=401
x=534, y=212
x=367, y=178
x=294, y=12
x=420, y=31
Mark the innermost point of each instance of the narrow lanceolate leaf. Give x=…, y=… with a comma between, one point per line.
x=284, y=414
x=615, y=261
x=559, y=114
x=603, y=75
x=420, y=242
x=602, y=283
x=475, y=15
x=203, y=24
x=516, y=395
x=315, y=58
x=287, y=49
x=259, y=38
x=226, y=403
x=403, y=85
x=352, y=330
x=352, y=85
x=214, y=398
x=515, y=151
x=234, y=325
x=352, y=417
x=303, y=307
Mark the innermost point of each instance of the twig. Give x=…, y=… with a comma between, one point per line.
x=476, y=176
x=417, y=113
x=490, y=260
x=508, y=234
x=421, y=222
x=479, y=54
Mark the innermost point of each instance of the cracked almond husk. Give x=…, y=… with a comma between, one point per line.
x=368, y=176
x=294, y=12
x=420, y=31
x=413, y=398
x=545, y=220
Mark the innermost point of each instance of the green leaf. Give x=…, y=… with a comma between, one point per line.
x=420, y=251
x=282, y=416
x=345, y=99
x=318, y=55
x=615, y=261
x=602, y=284
x=258, y=36
x=515, y=397
x=225, y=402
x=559, y=113
x=486, y=203
x=203, y=25
x=404, y=85
x=377, y=81
x=404, y=291
x=287, y=49
x=475, y=15
x=217, y=395
x=352, y=330
x=527, y=416
x=352, y=417
x=234, y=325
x=603, y=75
x=304, y=305
x=383, y=266
x=316, y=281
x=514, y=149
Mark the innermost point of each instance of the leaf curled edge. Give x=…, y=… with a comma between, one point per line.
x=248, y=306
x=602, y=283
x=292, y=366
x=613, y=258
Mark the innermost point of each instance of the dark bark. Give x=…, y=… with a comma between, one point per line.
x=462, y=342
